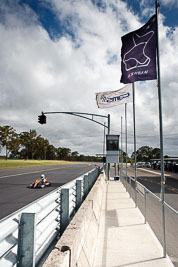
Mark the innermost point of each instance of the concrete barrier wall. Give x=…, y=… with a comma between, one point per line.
x=77, y=245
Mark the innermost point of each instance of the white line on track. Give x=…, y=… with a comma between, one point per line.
x=32, y=172
x=154, y=172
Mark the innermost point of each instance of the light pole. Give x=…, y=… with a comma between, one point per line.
x=42, y=120
x=78, y=114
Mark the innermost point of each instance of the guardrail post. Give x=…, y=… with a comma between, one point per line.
x=92, y=178
x=85, y=186
x=136, y=204
x=95, y=171
x=64, y=209
x=145, y=192
x=125, y=180
x=26, y=241
x=98, y=170
x=90, y=181
x=78, y=193
x=129, y=191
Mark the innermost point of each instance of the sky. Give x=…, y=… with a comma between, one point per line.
x=56, y=54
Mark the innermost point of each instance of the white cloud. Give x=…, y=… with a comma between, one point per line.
x=169, y=3
x=39, y=74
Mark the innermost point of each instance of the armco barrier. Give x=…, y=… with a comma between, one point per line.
x=77, y=245
x=27, y=233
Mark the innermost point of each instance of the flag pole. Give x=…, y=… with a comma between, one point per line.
x=126, y=137
x=109, y=133
x=104, y=143
x=161, y=132
x=135, y=157
x=121, y=152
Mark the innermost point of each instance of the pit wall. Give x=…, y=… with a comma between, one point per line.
x=76, y=246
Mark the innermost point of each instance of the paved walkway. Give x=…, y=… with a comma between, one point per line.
x=124, y=239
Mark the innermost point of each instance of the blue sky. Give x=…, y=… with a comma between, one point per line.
x=56, y=27
x=56, y=54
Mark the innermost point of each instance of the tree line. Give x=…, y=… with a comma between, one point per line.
x=146, y=153
x=30, y=145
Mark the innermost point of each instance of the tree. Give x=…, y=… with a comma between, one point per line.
x=146, y=153
x=7, y=137
x=14, y=145
x=82, y=158
x=156, y=153
x=124, y=156
x=74, y=156
x=28, y=145
x=63, y=153
x=29, y=141
x=42, y=146
x=51, y=152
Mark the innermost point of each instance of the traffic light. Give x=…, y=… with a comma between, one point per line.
x=42, y=119
x=104, y=159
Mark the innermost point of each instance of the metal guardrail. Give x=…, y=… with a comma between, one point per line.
x=26, y=234
x=142, y=190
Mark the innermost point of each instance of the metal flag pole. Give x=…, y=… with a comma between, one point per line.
x=161, y=133
x=135, y=157
x=104, y=143
x=108, y=133
x=126, y=138
x=121, y=169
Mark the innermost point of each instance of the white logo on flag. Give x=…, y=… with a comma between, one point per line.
x=142, y=60
x=114, y=98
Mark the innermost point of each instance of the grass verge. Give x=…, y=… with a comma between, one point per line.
x=11, y=163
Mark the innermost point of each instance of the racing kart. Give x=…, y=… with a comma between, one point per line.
x=39, y=184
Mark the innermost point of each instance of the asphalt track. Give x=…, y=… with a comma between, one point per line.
x=14, y=183
x=151, y=180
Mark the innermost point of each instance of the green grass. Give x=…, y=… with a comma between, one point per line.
x=10, y=163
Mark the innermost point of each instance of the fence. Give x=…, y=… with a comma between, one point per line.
x=134, y=189
x=26, y=234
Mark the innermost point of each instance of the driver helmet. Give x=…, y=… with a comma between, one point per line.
x=43, y=178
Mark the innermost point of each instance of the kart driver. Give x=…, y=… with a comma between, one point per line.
x=43, y=179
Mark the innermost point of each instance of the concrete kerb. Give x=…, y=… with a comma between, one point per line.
x=78, y=242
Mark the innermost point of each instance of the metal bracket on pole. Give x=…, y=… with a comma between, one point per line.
x=26, y=241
